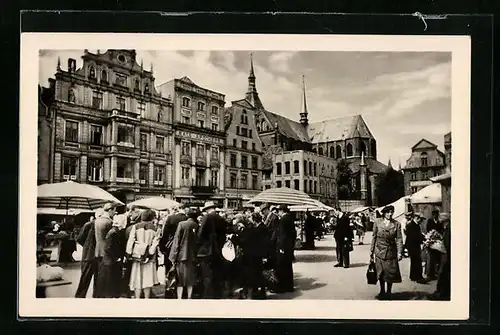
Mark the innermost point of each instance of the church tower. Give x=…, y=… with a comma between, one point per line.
x=252, y=96
x=303, y=111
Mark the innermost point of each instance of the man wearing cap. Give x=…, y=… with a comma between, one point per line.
x=285, y=246
x=413, y=243
x=102, y=226
x=342, y=235
x=86, y=239
x=210, y=239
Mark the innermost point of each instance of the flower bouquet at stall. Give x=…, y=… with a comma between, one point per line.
x=434, y=240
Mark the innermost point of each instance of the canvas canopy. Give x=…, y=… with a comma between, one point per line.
x=428, y=195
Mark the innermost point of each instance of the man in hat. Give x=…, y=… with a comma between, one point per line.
x=210, y=240
x=271, y=221
x=102, y=226
x=285, y=246
x=433, y=259
x=413, y=244
x=343, y=235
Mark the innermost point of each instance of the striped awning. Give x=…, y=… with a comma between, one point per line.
x=71, y=195
x=283, y=195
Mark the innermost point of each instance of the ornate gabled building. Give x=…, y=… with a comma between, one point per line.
x=426, y=161
x=324, y=143
x=110, y=127
x=199, y=172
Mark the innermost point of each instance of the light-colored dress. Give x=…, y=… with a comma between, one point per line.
x=387, y=244
x=143, y=274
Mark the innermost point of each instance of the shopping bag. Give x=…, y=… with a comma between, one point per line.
x=161, y=274
x=439, y=246
x=171, y=284
x=228, y=251
x=371, y=274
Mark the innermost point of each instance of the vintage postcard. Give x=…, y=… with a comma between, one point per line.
x=244, y=176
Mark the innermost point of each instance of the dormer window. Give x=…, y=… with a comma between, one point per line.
x=186, y=102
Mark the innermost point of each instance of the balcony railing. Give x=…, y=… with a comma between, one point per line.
x=202, y=189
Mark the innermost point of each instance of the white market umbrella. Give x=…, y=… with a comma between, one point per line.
x=428, y=195
x=71, y=195
x=58, y=211
x=156, y=203
x=283, y=195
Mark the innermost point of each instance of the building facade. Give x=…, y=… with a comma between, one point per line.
x=425, y=162
x=243, y=154
x=111, y=128
x=198, y=122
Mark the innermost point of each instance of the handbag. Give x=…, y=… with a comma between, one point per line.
x=348, y=246
x=228, y=251
x=371, y=274
x=139, y=250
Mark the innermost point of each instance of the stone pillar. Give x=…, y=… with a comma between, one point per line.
x=193, y=162
x=114, y=133
x=136, y=170
x=208, y=174
x=57, y=167
x=168, y=175
x=107, y=172
x=176, y=175
x=373, y=190
x=222, y=172
x=83, y=168
x=152, y=142
x=301, y=171
x=151, y=173
x=137, y=137
x=114, y=166
x=85, y=135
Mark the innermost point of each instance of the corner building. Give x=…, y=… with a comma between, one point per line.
x=198, y=123
x=110, y=127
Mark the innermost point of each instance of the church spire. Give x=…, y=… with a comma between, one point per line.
x=389, y=164
x=362, y=163
x=58, y=63
x=252, y=96
x=303, y=112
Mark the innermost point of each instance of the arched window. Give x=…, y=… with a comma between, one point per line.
x=146, y=88
x=349, y=150
x=160, y=116
x=320, y=151
x=363, y=148
x=332, y=152
x=186, y=102
x=373, y=146
x=104, y=76
x=92, y=72
x=338, y=153
x=423, y=159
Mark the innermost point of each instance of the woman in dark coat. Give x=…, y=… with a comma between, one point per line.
x=387, y=251
x=414, y=240
x=183, y=253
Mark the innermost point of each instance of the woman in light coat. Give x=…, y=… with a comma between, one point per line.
x=387, y=251
x=143, y=236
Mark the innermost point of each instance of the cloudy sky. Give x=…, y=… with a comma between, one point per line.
x=403, y=96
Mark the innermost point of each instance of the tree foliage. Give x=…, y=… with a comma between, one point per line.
x=344, y=175
x=390, y=186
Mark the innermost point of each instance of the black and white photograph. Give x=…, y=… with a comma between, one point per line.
x=195, y=171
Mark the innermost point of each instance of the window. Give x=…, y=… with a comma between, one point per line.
x=186, y=102
x=244, y=117
x=305, y=168
x=159, y=117
x=255, y=163
x=244, y=132
x=201, y=123
x=253, y=147
x=373, y=145
x=320, y=151
x=104, y=76
x=315, y=187
x=92, y=73
x=137, y=85
x=71, y=131
x=349, y=150
x=268, y=187
x=363, y=148
x=201, y=106
x=146, y=88
x=186, y=148
x=141, y=109
x=233, y=160
x=296, y=167
x=296, y=184
x=255, y=182
x=338, y=151
x=185, y=174
x=305, y=186
x=332, y=152
x=287, y=167
x=143, y=173
x=423, y=158
x=186, y=120
x=160, y=144
x=310, y=186
x=244, y=162
x=424, y=175
x=237, y=130
x=120, y=103
x=125, y=170
x=214, y=180
x=234, y=143
x=315, y=169
x=215, y=110
x=250, y=133
x=278, y=169
x=69, y=168
x=413, y=176
x=311, y=168
x=287, y=183
x=159, y=175
x=200, y=150
x=95, y=135
x=279, y=184
x=96, y=100
x=144, y=142
x=215, y=126
x=244, y=181
x=244, y=145
x=121, y=80
x=125, y=135
x=215, y=153
x=233, y=181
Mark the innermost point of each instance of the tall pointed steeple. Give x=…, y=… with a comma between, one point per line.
x=389, y=164
x=303, y=111
x=58, y=68
x=362, y=163
x=252, y=96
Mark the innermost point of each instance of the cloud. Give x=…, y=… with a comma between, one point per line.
x=414, y=129
x=280, y=61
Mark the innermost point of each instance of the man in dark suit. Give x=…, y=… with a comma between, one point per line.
x=343, y=238
x=285, y=247
x=434, y=256
x=169, y=229
x=413, y=243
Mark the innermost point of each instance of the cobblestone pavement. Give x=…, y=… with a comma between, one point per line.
x=315, y=277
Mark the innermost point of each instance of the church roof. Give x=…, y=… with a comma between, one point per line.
x=338, y=128
x=372, y=165
x=287, y=127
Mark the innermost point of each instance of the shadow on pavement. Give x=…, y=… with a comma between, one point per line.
x=301, y=284
x=358, y=265
x=324, y=247
x=410, y=295
x=315, y=258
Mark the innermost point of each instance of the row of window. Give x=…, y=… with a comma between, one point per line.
x=243, y=181
x=244, y=161
x=200, y=150
x=309, y=186
x=244, y=145
x=336, y=152
x=245, y=132
x=186, y=102
x=201, y=123
x=423, y=175
x=296, y=164
x=200, y=179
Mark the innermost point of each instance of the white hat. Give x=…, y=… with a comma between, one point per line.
x=208, y=204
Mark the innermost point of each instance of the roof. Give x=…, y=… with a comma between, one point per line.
x=424, y=144
x=287, y=127
x=338, y=128
x=372, y=165
x=441, y=178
